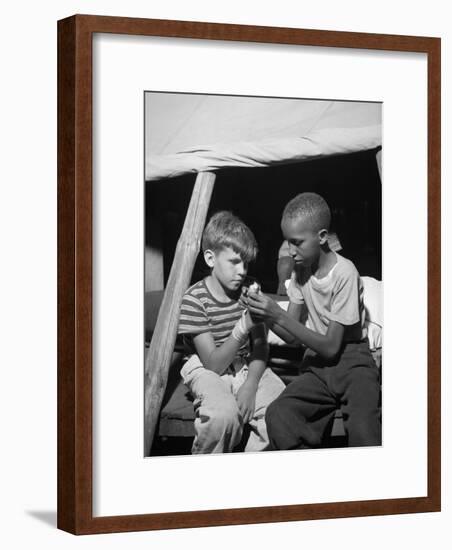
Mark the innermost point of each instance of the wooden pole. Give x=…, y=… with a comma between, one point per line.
x=158, y=358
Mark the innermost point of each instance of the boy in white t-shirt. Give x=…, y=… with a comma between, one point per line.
x=337, y=369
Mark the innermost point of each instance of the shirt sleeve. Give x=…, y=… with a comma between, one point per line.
x=345, y=304
x=193, y=317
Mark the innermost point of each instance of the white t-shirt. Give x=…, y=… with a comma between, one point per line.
x=336, y=297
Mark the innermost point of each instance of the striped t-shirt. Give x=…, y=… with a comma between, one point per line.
x=201, y=312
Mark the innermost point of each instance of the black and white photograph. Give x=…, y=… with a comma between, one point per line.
x=263, y=284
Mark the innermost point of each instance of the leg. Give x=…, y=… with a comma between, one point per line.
x=361, y=410
x=270, y=387
x=298, y=418
x=218, y=424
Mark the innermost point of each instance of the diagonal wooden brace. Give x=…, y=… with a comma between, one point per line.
x=159, y=355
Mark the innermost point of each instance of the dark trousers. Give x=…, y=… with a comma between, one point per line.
x=301, y=416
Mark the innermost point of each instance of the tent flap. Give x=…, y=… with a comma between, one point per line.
x=265, y=152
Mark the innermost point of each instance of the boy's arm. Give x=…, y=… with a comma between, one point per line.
x=295, y=311
x=246, y=395
x=195, y=322
x=327, y=345
x=218, y=358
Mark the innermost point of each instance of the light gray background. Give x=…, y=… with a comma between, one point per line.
x=28, y=274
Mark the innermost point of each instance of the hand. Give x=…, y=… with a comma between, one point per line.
x=246, y=400
x=243, y=300
x=242, y=327
x=263, y=308
x=248, y=322
x=254, y=287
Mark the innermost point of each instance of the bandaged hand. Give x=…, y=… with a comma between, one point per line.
x=242, y=327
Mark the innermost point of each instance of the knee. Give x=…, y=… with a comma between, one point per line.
x=363, y=426
x=271, y=410
x=225, y=419
x=274, y=414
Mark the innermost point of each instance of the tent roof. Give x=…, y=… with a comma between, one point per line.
x=191, y=133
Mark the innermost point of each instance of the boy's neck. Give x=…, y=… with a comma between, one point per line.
x=325, y=263
x=217, y=289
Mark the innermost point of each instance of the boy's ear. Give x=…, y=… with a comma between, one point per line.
x=323, y=236
x=209, y=257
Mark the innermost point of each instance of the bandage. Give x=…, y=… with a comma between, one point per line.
x=242, y=328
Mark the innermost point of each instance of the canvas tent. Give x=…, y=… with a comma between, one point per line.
x=201, y=134
x=208, y=133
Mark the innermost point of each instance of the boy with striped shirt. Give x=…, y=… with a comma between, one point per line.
x=226, y=375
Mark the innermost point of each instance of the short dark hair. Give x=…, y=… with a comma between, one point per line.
x=226, y=230
x=312, y=207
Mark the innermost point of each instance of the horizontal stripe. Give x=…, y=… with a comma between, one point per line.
x=190, y=300
x=222, y=314
x=216, y=311
x=186, y=324
x=193, y=313
x=214, y=306
x=218, y=319
x=193, y=321
x=195, y=324
x=201, y=313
